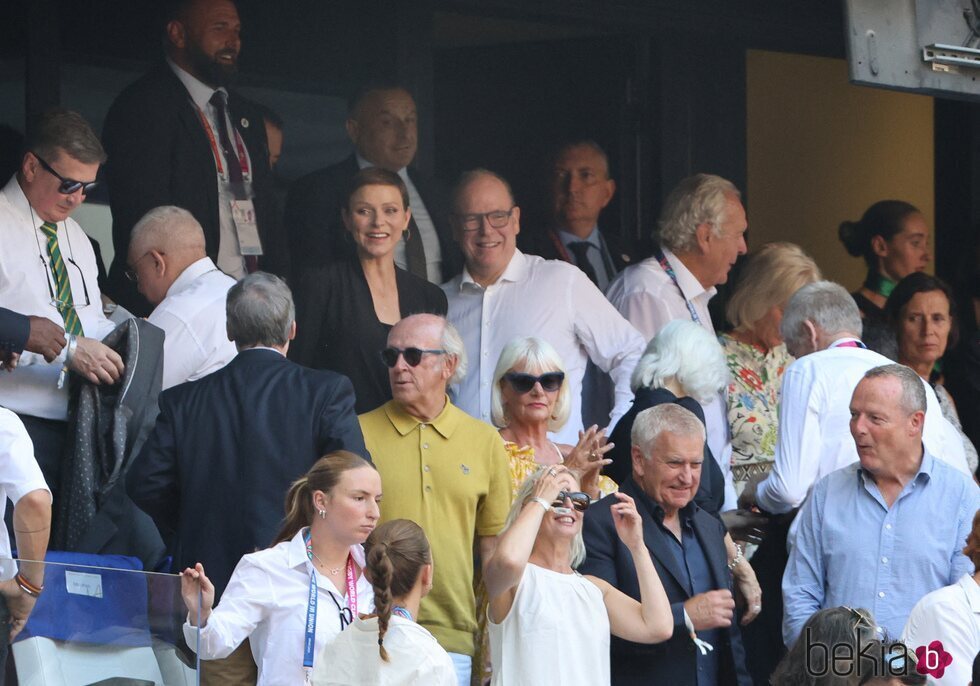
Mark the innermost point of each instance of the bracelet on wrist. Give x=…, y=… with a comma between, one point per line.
x=27, y=587
x=72, y=345
x=738, y=559
x=542, y=502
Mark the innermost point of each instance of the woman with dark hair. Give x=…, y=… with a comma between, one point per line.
x=345, y=309
x=893, y=238
x=922, y=313
x=388, y=648
x=833, y=626
x=329, y=513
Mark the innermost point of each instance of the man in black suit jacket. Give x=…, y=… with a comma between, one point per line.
x=580, y=188
x=214, y=473
x=688, y=549
x=164, y=140
x=382, y=126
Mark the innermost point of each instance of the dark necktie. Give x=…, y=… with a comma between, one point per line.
x=580, y=249
x=415, y=251
x=235, y=178
x=64, y=302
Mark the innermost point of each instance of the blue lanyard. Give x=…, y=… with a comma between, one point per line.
x=665, y=265
x=309, y=644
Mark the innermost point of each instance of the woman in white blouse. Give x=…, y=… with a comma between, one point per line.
x=951, y=615
x=548, y=623
x=294, y=598
x=389, y=648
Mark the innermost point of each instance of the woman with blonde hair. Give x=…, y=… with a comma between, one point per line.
x=389, y=648
x=755, y=352
x=292, y=599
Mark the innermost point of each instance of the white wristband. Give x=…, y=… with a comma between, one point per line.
x=542, y=502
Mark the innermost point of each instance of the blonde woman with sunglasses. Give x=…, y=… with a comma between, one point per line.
x=548, y=623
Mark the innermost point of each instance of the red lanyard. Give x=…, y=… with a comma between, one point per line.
x=239, y=144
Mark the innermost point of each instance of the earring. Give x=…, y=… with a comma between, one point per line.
x=322, y=513
x=408, y=234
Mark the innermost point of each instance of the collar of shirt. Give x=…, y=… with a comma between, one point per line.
x=263, y=347
x=657, y=512
x=199, y=91
x=516, y=271
x=688, y=283
x=842, y=341
x=364, y=164
x=296, y=553
x=922, y=476
x=190, y=274
x=594, y=238
x=444, y=423
x=18, y=201
x=972, y=591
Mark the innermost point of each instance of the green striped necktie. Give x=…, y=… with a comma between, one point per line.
x=64, y=302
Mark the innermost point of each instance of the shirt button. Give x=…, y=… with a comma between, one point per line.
x=428, y=488
x=425, y=468
x=888, y=526
x=421, y=427
x=881, y=594
x=884, y=560
x=425, y=445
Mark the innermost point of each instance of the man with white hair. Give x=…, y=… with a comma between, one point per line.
x=701, y=234
x=168, y=262
x=822, y=329
x=449, y=470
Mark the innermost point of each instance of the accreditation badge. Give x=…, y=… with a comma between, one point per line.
x=247, y=228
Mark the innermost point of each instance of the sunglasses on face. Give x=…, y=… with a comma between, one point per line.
x=413, y=356
x=68, y=186
x=523, y=383
x=580, y=501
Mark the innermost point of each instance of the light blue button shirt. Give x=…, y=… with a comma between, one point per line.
x=852, y=549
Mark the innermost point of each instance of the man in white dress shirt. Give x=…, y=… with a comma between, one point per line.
x=172, y=271
x=822, y=328
x=503, y=293
x=701, y=235
x=48, y=269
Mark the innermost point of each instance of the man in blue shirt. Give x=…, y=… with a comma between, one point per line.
x=882, y=532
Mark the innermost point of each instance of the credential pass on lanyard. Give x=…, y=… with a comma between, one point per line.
x=309, y=642
x=242, y=157
x=665, y=265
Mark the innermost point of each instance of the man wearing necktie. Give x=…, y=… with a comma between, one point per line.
x=48, y=270
x=179, y=136
x=382, y=124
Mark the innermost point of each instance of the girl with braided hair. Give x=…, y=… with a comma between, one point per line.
x=388, y=648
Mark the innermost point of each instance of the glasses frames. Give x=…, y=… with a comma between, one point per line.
x=523, y=383
x=68, y=186
x=497, y=219
x=413, y=356
x=131, y=271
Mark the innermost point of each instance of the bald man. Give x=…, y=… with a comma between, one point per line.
x=167, y=260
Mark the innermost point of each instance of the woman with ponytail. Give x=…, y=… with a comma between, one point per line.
x=893, y=238
x=292, y=599
x=389, y=648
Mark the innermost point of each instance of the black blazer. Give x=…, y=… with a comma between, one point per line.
x=548, y=245
x=711, y=490
x=15, y=329
x=673, y=662
x=316, y=231
x=214, y=473
x=159, y=154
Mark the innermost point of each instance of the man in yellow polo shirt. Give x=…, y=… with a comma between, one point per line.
x=440, y=468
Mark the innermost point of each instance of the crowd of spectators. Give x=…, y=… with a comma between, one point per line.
x=497, y=465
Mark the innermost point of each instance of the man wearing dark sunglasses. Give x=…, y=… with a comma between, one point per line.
x=50, y=273
x=688, y=549
x=179, y=136
x=450, y=472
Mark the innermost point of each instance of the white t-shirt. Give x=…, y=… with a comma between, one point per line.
x=19, y=475
x=414, y=657
x=951, y=615
x=557, y=632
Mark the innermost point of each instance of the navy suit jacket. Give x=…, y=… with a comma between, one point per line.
x=159, y=154
x=673, y=662
x=214, y=473
x=15, y=329
x=316, y=230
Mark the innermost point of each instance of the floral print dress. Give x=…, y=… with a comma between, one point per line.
x=753, y=405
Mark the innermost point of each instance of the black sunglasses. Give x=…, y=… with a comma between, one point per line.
x=523, y=383
x=68, y=186
x=580, y=501
x=413, y=356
